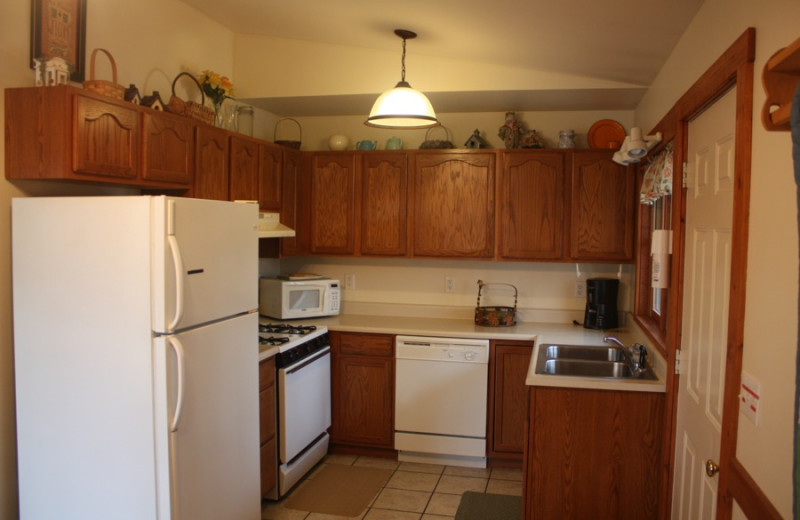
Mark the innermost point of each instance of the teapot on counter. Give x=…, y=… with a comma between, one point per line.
x=366, y=145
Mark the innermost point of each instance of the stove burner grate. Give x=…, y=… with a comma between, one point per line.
x=272, y=340
x=286, y=328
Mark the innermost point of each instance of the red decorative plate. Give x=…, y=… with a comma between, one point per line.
x=606, y=134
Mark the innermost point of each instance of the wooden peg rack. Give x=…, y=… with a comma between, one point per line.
x=780, y=78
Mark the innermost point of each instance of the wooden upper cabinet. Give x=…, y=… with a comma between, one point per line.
x=269, y=177
x=211, y=164
x=532, y=194
x=453, y=204
x=244, y=157
x=167, y=148
x=333, y=199
x=291, y=164
x=602, y=208
x=67, y=133
x=106, y=139
x=384, y=183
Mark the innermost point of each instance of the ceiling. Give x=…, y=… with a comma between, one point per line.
x=625, y=41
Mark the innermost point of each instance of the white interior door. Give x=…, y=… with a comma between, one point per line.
x=709, y=213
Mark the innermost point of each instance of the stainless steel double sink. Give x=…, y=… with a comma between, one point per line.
x=588, y=361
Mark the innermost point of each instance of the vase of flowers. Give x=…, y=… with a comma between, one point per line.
x=218, y=88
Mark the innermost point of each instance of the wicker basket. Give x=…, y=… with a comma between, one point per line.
x=290, y=144
x=495, y=316
x=191, y=109
x=103, y=87
x=437, y=143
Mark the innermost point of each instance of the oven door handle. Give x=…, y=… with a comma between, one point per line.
x=308, y=361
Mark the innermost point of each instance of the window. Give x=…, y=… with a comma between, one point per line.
x=653, y=260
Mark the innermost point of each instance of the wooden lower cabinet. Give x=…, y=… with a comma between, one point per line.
x=268, y=437
x=363, y=391
x=592, y=454
x=508, y=399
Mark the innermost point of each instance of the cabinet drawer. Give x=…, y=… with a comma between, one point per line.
x=366, y=344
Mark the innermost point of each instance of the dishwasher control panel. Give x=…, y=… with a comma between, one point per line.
x=442, y=349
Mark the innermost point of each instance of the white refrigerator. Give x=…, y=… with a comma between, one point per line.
x=136, y=358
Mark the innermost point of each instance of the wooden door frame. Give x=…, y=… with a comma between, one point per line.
x=733, y=68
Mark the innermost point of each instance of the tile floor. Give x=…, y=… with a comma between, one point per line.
x=414, y=491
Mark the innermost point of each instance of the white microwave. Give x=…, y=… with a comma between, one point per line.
x=292, y=299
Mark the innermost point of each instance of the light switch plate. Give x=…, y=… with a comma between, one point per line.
x=350, y=281
x=750, y=398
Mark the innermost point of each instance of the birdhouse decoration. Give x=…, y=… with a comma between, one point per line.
x=52, y=72
x=132, y=95
x=153, y=101
x=476, y=141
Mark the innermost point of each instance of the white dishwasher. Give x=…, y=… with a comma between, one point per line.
x=440, y=400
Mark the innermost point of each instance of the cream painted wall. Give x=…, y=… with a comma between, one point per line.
x=770, y=341
x=267, y=67
x=149, y=51
x=546, y=290
x=458, y=128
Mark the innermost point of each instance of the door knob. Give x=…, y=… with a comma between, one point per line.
x=711, y=468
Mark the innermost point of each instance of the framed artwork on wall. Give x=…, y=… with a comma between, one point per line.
x=58, y=30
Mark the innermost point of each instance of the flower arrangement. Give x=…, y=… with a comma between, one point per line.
x=216, y=87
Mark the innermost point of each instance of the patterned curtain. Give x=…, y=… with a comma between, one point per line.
x=657, y=181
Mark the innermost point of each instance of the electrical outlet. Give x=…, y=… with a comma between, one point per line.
x=349, y=281
x=580, y=288
x=449, y=284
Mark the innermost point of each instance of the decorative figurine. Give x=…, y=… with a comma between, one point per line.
x=52, y=72
x=510, y=131
x=476, y=141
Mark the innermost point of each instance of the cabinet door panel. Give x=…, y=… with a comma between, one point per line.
x=211, y=160
x=453, y=205
x=533, y=186
x=244, y=169
x=384, y=204
x=363, y=410
x=602, y=208
x=510, y=398
x=269, y=179
x=106, y=139
x=291, y=161
x=167, y=146
x=333, y=203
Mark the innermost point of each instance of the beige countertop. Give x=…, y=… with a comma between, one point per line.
x=534, y=332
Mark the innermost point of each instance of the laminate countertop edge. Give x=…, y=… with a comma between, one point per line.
x=534, y=332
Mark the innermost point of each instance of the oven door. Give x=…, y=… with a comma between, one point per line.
x=305, y=403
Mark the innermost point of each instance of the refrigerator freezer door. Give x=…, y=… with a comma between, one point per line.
x=205, y=261
x=213, y=451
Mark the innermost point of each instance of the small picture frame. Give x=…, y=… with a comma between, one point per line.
x=58, y=30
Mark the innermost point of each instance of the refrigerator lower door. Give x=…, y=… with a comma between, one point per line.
x=207, y=447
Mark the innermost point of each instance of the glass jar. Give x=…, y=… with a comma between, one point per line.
x=244, y=120
x=566, y=139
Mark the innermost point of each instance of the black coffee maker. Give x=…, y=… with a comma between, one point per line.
x=601, y=303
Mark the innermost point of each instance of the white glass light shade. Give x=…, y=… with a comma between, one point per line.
x=637, y=147
x=402, y=107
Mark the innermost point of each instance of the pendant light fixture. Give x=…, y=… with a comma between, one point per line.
x=402, y=106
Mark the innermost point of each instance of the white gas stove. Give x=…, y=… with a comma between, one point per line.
x=304, y=399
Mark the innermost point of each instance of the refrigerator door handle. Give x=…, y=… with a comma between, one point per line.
x=177, y=262
x=178, y=348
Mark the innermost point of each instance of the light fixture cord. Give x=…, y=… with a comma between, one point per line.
x=403, y=62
